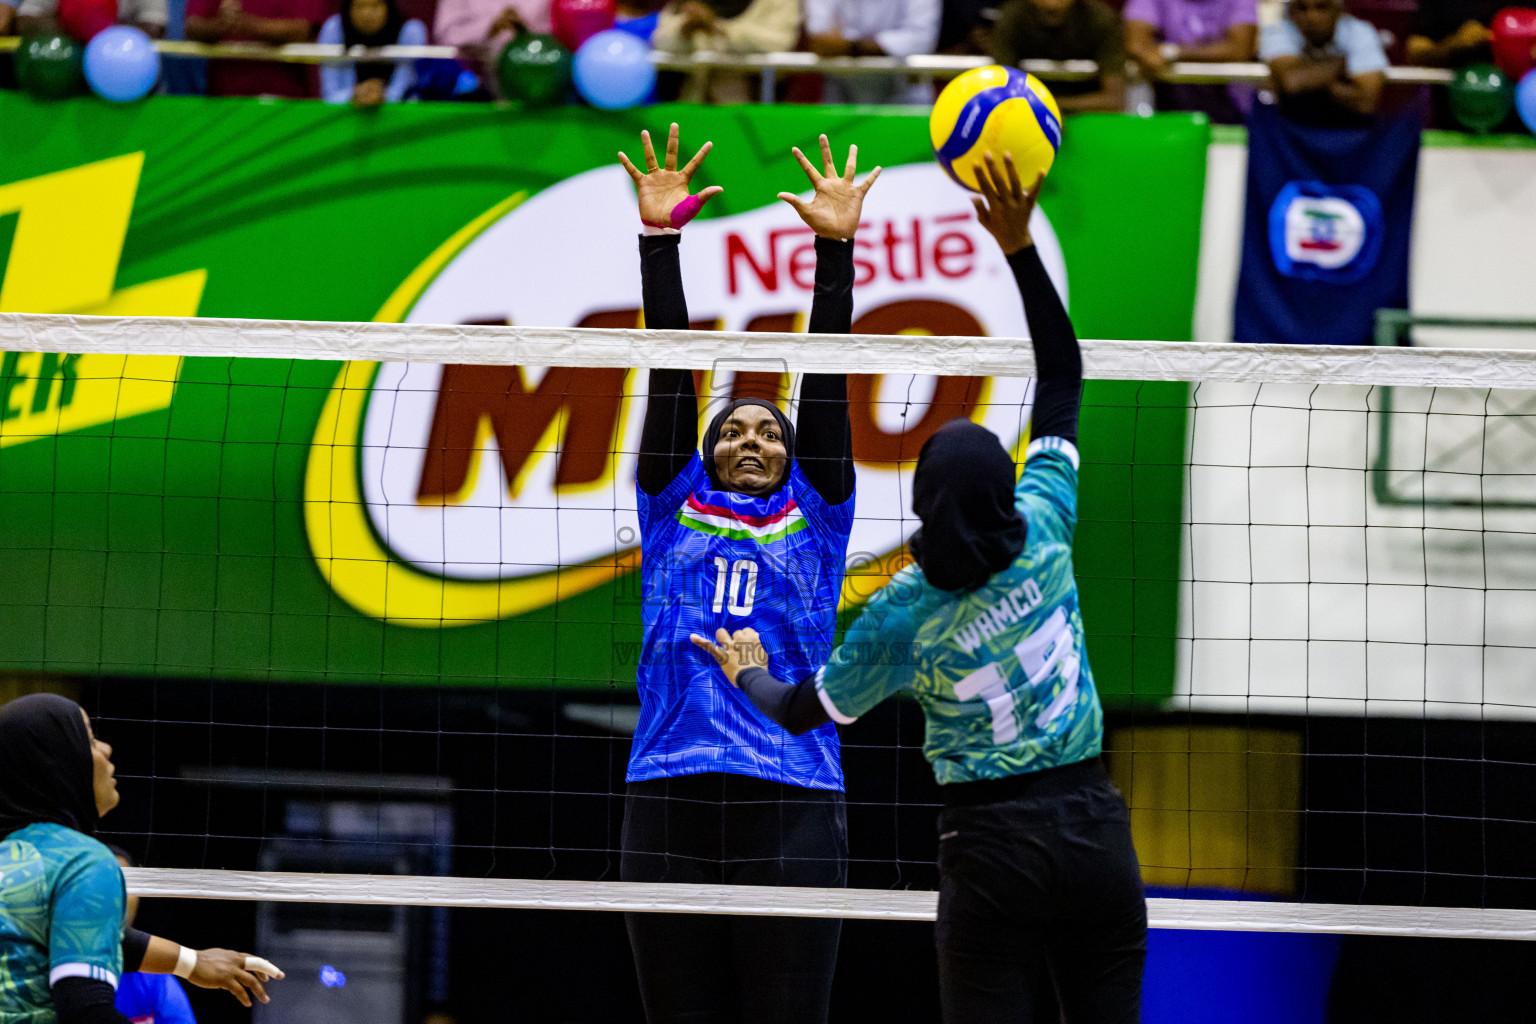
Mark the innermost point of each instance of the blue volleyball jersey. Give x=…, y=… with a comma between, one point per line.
x=153, y=999
x=62, y=902
x=712, y=559
x=1001, y=671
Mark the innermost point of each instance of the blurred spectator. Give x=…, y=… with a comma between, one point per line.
x=479, y=23
x=274, y=22
x=369, y=23
x=1453, y=33
x=7, y=61
x=1162, y=32
x=638, y=17
x=33, y=16
x=1067, y=30
x=184, y=76
x=967, y=27
x=726, y=26
x=1328, y=67
x=873, y=28
x=487, y=22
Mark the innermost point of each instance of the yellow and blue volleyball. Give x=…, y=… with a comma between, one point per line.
x=998, y=110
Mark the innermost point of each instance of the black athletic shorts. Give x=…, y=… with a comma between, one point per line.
x=1039, y=885
x=734, y=830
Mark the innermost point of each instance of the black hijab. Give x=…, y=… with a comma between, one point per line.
x=46, y=770
x=389, y=35
x=712, y=437
x=963, y=492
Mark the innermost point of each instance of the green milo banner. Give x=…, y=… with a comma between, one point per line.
x=314, y=520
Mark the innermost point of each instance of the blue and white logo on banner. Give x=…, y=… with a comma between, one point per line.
x=1325, y=229
x=1329, y=233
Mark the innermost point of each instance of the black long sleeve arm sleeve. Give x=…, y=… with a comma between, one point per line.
x=135, y=945
x=1058, y=359
x=794, y=706
x=85, y=1001
x=824, y=436
x=670, y=435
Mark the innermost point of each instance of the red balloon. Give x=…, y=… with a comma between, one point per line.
x=82, y=19
x=1514, y=41
x=576, y=21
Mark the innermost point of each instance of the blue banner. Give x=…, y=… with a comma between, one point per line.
x=1326, y=231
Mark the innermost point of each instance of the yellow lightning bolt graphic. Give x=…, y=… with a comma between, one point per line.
x=65, y=249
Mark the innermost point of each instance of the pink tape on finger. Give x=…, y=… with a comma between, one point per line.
x=686, y=210
x=682, y=213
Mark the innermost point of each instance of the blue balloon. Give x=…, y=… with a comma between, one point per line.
x=1525, y=99
x=613, y=70
x=121, y=64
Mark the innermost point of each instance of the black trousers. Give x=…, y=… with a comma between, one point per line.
x=733, y=830
x=1039, y=886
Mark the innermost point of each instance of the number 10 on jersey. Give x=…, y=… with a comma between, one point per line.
x=736, y=583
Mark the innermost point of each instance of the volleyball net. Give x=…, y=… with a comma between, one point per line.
x=358, y=605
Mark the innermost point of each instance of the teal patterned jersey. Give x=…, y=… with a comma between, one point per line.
x=62, y=902
x=1001, y=672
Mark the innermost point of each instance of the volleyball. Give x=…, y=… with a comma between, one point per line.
x=995, y=109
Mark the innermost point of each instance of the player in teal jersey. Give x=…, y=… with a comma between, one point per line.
x=62, y=897
x=1036, y=863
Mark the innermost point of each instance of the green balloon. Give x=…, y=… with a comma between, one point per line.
x=535, y=69
x=48, y=66
x=1481, y=96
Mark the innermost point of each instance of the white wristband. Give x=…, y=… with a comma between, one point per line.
x=186, y=961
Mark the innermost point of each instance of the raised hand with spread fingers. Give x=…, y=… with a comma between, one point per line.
x=838, y=203
x=1005, y=205
x=663, y=189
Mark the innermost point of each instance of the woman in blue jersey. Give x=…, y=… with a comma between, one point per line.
x=62, y=898
x=1038, y=876
x=751, y=530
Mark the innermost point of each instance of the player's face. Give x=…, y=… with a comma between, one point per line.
x=102, y=771
x=368, y=16
x=750, y=455
x=1316, y=19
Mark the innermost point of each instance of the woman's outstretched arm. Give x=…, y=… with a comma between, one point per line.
x=742, y=658
x=670, y=434
x=824, y=436
x=1004, y=210
x=824, y=445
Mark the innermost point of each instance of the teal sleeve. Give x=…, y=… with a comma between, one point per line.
x=85, y=935
x=1049, y=483
x=878, y=656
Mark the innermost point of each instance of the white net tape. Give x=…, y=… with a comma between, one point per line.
x=856, y=353
x=790, y=901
